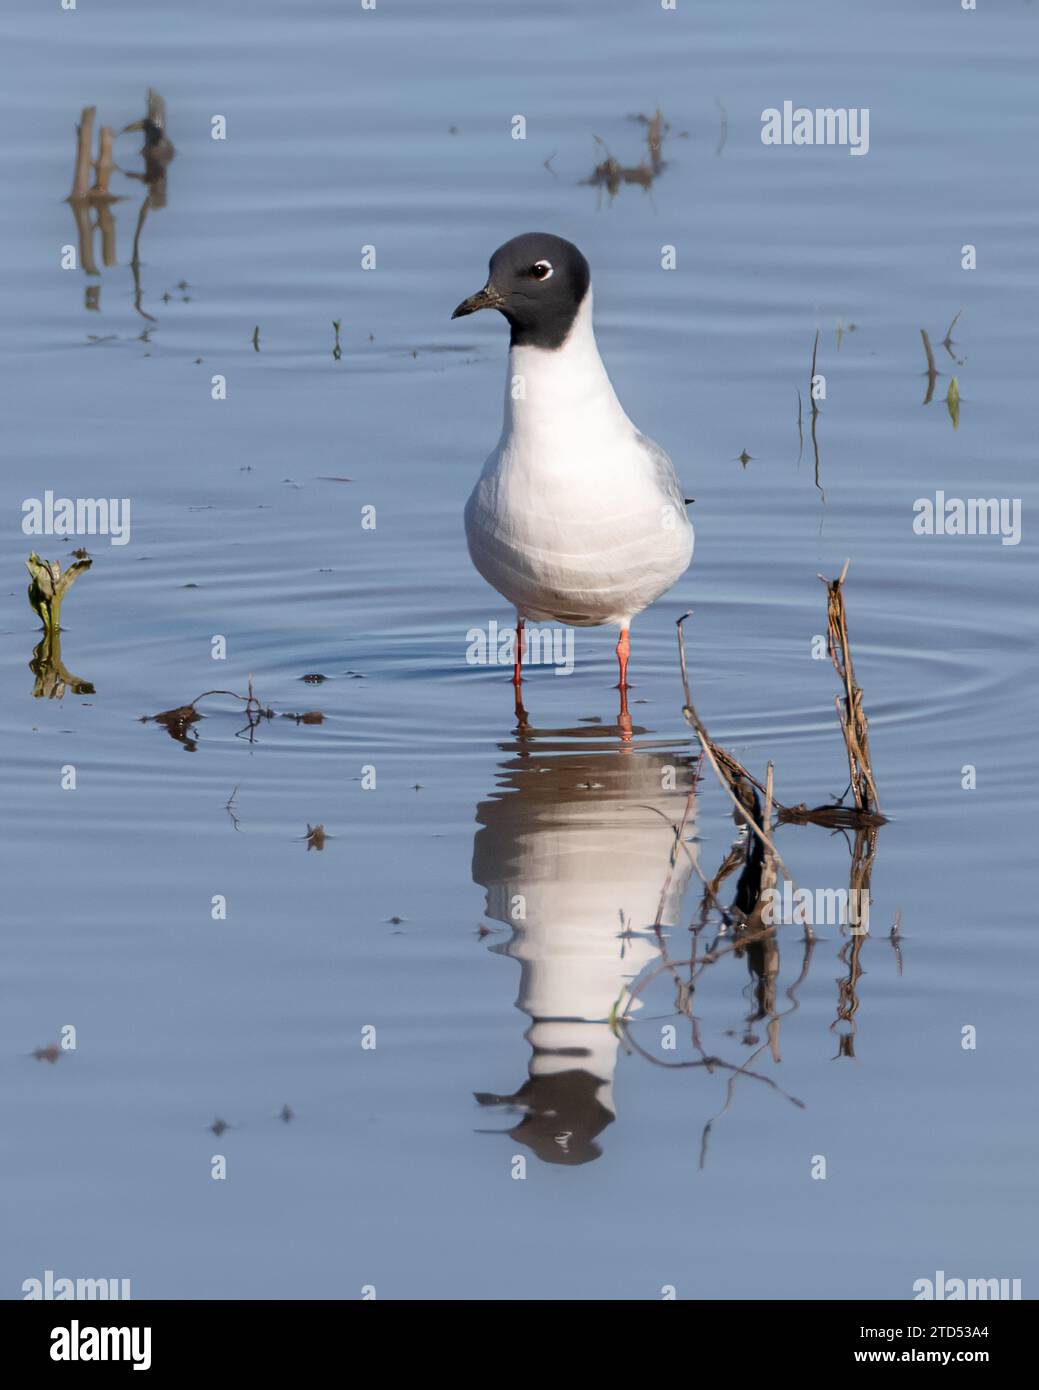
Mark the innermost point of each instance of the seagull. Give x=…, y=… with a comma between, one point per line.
x=577, y=517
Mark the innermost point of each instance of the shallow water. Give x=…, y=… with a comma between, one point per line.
x=348, y=128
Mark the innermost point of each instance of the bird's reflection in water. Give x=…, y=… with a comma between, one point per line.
x=577, y=853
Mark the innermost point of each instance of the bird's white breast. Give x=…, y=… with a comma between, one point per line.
x=576, y=517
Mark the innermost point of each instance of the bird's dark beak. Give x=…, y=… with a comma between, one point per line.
x=487, y=298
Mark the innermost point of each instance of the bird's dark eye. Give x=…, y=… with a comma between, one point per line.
x=541, y=270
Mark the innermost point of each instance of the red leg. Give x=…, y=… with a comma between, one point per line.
x=623, y=650
x=517, y=669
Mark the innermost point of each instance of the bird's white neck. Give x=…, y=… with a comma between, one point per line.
x=554, y=394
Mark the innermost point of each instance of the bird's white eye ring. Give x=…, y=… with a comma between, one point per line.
x=541, y=270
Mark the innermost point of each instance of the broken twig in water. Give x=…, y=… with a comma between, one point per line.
x=84, y=154
x=815, y=413
x=610, y=173
x=932, y=370
x=854, y=724
x=716, y=757
x=736, y=779
x=947, y=341
x=179, y=722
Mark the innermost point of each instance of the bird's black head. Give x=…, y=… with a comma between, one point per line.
x=539, y=282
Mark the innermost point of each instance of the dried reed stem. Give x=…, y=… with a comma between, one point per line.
x=854, y=724
x=932, y=370
x=716, y=757
x=104, y=164
x=84, y=153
